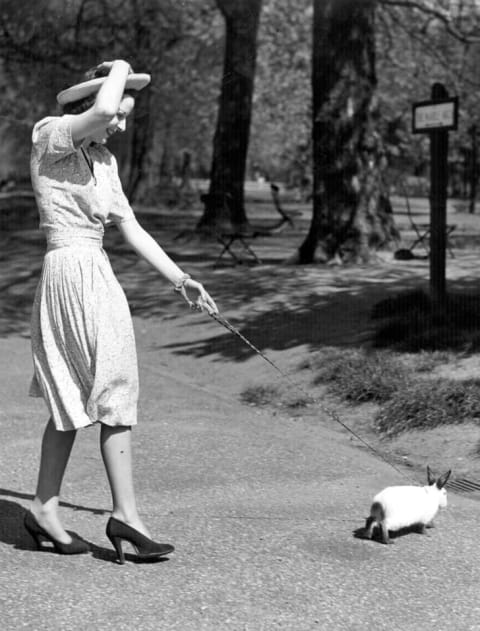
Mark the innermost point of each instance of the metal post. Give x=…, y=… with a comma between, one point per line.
x=473, y=169
x=438, y=205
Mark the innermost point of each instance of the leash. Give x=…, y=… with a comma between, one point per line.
x=328, y=411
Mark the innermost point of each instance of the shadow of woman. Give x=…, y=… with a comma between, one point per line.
x=13, y=532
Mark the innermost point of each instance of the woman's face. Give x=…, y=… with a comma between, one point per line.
x=117, y=123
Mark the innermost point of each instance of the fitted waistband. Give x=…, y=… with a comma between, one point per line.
x=69, y=240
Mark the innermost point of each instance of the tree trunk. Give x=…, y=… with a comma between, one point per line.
x=225, y=200
x=141, y=139
x=351, y=213
x=142, y=36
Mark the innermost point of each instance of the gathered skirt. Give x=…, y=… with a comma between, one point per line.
x=83, y=344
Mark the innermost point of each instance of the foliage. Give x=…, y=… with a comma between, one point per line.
x=426, y=361
x=261, y=395
x=407, y=399
x=271, y=395
x=280, y=139
x=45, y=43
x=419, y=43
x=426, y=404
x=357, y=376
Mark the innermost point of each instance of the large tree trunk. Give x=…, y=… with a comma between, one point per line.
x=141, y=143
x=143, y=36
x=224, y=203
x=351, y=214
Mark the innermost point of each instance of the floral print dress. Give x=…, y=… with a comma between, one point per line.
x=83, y=345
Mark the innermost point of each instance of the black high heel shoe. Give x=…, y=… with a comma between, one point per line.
x=118, y=531
x=76, y=546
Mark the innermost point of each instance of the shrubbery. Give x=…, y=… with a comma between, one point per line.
x=425, y=404
x=357, y=377
x=409, y=397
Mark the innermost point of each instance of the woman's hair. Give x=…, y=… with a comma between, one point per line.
x=82, y=105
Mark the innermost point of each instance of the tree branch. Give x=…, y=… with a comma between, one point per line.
x=433, y=10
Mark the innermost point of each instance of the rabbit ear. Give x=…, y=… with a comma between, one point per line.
x=430, y=477
x=442, y=480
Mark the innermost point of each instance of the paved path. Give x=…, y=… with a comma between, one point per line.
x=261, y=508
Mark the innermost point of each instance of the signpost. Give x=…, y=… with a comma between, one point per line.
x=436, y=117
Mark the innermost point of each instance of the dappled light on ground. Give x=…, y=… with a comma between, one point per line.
x=274, y=305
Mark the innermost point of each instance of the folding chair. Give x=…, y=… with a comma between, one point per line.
x=423, y=230
x=244, y=234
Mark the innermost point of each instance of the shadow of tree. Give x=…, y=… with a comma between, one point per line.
x=341, y=317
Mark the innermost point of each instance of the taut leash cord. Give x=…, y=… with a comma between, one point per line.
x=329, y=412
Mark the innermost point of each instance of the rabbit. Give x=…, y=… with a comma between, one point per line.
x=398, y=507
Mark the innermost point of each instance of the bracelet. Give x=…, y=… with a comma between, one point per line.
x=180, y=284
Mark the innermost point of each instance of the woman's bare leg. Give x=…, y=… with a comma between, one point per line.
x=56, y=449
x=116, y=448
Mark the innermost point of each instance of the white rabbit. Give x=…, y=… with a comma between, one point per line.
x=399, y=507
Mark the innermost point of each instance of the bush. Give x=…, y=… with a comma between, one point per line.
x=275, y=396
x=407, y=399
x=426, y=361
x=358, y=377
x=261, y=395
x=427, y=404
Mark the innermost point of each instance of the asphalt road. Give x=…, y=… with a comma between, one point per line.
x=262, y=511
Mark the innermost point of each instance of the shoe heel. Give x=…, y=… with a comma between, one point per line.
x=76, y=546
x=117, y=544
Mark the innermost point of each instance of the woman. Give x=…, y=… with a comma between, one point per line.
x=82, y=337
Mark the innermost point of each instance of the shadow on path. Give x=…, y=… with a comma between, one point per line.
x=340, y=317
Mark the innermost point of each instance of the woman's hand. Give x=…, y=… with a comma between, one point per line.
x=203, y=301
x=104, y=68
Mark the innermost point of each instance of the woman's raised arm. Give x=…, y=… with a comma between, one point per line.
x=105, y=106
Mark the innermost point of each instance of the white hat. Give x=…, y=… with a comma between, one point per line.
x=135, y=81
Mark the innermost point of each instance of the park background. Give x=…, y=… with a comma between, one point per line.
x=298, y=108
x=258, y=487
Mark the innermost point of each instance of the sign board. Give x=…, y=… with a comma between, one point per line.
x=435, y=115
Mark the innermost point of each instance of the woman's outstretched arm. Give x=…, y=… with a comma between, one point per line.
x=146, y=247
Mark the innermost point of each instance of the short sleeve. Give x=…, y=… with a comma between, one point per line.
x=120, y=209
x=52, y=138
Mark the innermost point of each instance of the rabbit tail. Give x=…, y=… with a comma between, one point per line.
x=376, y=518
